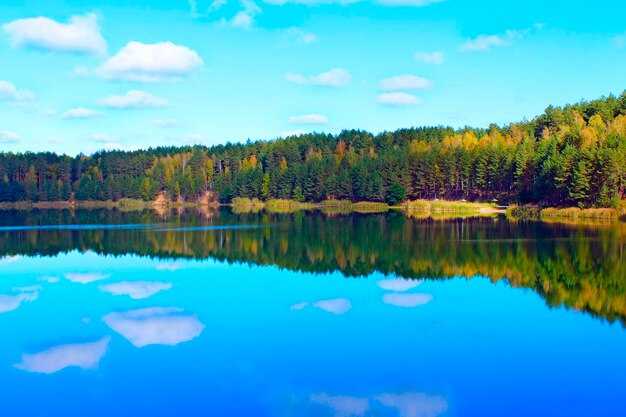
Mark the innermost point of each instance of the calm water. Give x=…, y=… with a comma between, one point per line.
x=219, y=314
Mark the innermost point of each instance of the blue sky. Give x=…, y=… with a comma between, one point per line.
x=127, y=74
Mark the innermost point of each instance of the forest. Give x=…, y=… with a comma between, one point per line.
x=568, y=156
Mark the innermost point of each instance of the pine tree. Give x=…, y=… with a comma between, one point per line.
x=580, y=189
x=298, y=195
x=395, y=194
x=265, y=186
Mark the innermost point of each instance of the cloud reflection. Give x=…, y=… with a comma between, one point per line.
x=343, y=406
x=86, y=277
x=31, y=288
x=9, y=259
x=407, y=404
x=407, y=300
x=414, y=404
x=155, y=326
x=169, y=266
x=82, y=355
x=13, y=301
x=136, y=290
x=299, y=306
x=336, y=305
x=398, y=284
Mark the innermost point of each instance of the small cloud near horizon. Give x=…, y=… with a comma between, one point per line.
x=335, y=78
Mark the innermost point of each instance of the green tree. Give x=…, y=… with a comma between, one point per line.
x=298, y=195
x=395, y=194
x=265, y=186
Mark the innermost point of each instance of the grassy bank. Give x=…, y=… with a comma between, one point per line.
x=582, y=214
x=445, y=206
x=336, y=204
x=369, y=207
x=247, y=202
x=437, y=209
x=336, y=207
x=125, y=203
x=567, y=214
x=287, y=206
x=516, y=212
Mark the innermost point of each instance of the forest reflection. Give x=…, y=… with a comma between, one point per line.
x=581, y=267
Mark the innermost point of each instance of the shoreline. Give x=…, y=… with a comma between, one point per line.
x=438, y=209
x=107, y=204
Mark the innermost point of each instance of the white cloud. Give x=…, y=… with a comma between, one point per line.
x=620, y=41
x=136, y=290
x=81, y=113
x=407, y=300
x=336, y=77
x=343, y=406
x=151, y=63
x=165, y=122
x=300, y=36
x=244, y=19
x=12, y=302
x=433, y=58
x=309, y=119
x=9, y=137
x=86, y=277
x=415, y=404
x=398, y=99
x=485, y=43
x=133, y=99
x=154, y=326
x=201, y=8
x=405, y=82
x=9, y=92
x=81, y=355
x=398, y=284
x=80, y=35
x=336, y=306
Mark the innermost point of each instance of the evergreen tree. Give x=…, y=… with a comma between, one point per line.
x=395, y=194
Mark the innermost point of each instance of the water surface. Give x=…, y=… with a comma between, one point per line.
x=216, y=313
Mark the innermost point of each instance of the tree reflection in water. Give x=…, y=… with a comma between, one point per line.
x=582, y=267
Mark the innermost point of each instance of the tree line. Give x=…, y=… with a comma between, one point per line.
x=568, y=156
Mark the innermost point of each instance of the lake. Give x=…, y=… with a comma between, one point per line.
x=215, y=313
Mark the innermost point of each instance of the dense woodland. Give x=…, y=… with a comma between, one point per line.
x=572, y=155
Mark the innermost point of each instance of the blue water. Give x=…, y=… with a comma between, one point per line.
x=91, y=335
